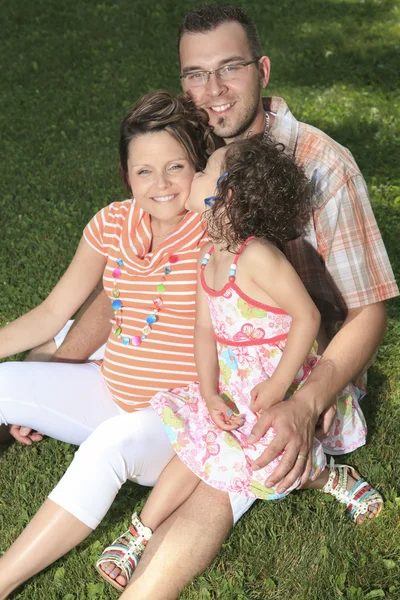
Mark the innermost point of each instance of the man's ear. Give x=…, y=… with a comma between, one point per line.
x=265, y=70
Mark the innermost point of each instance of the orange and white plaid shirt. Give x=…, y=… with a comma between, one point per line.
x=341, y=260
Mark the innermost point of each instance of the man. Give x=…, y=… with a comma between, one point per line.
x=342, y=262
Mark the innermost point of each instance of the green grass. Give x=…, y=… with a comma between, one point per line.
x=68, y=73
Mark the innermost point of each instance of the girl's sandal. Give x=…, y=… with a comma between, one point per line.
x=363, y=502
x=125, y=552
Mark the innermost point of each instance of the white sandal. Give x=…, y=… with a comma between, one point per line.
x=125, y=552
x=359, y=499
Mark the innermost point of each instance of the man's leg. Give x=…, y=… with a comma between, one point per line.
x=183, y=546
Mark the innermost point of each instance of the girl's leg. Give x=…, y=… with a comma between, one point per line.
x=175, y=485
x=130, y=446
x=63, y=401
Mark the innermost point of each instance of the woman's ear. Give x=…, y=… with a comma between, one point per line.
x=125, y=179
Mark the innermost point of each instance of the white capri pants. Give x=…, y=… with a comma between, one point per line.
x=71, y=403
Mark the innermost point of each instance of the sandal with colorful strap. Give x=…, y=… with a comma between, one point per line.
x=125, y=552
x=363, y=502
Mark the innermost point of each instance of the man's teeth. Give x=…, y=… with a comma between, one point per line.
x=221, y=108
x=163, y=198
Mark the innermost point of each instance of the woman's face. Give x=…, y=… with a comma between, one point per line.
x=160, y=174
x=204, y=184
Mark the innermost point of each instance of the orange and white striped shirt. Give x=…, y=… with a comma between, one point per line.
x=165, y=359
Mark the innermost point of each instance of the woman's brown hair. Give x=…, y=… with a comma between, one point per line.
x=159, y=111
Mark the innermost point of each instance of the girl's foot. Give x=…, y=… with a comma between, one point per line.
x=362, y=501
x=118, y=561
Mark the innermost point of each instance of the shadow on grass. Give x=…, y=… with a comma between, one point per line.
x=326, y=39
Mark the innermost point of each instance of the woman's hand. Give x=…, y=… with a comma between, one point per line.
x=266, y=394
x=25, y=435
x=222, y=415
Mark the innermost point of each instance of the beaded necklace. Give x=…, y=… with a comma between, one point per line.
x=152, y=318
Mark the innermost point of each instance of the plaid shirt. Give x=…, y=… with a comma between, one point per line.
x=341, y=260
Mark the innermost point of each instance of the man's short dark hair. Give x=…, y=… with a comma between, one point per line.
x=209, y=16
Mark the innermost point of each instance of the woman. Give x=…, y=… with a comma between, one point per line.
x=147, y=250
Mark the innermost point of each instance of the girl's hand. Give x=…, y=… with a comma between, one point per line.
x=222, y=415
x=266, y=394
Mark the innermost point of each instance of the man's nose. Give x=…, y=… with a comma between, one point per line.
x=215, y=86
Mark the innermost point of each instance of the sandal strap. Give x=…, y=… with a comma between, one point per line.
x=126, y=551
x=359, y=498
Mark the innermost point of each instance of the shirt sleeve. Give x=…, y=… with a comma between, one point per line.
x=95, y=229
x=351, y=246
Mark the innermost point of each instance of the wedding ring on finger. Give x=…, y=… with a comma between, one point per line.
x=302, y=457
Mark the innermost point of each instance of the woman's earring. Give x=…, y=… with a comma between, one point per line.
x=210, y=201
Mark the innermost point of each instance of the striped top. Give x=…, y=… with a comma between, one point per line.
x=165, y=359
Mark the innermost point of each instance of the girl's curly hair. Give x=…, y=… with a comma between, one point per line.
x=264, y=194
x=159, y=111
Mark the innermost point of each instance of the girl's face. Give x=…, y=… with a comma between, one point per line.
x=160, y=174
x=204, y=184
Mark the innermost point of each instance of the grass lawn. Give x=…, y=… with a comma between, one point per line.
x=68, y=73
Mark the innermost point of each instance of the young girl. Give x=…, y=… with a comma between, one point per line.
x=255, y=335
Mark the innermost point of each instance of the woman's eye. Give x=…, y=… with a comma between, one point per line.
x=143, y=172
x=176, y=167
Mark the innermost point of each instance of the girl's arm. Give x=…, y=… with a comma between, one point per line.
x=273, y=273
x=206, y=357
x=45, y=321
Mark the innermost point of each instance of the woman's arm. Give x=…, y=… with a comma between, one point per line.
x=45, y=321
x=272, y=272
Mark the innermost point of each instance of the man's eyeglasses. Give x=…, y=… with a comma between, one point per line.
x=225, y=73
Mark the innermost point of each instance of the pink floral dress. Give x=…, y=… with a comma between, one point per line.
x=250, y=338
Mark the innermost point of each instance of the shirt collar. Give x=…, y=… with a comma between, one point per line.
x=285, y=128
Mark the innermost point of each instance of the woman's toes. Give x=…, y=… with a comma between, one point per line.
x=115, y=572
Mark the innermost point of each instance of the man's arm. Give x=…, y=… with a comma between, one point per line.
x=347, y=355
x=90, y=329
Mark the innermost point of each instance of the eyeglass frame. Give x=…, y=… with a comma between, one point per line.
x=216, y=71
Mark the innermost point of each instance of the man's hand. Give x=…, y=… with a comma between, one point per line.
x=25, y=435
x=294, y=423
x=222, y=415
x=266, y=394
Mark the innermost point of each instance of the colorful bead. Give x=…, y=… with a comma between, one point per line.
x=173, y=259
x=232, y=273
x=167, y=270
x=151, y=319
x=125, y=341
x=146, y=330
x=161, y=288
x=231, y=278
x=120, y=262
x=163, y=278
x=116, y=304
x=143, y=337
x=136, y=340
x=158, y=303
x=118, y=331
x=116, y=273
x=115, y=293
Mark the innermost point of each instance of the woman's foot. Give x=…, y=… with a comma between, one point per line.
x=118, y=561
